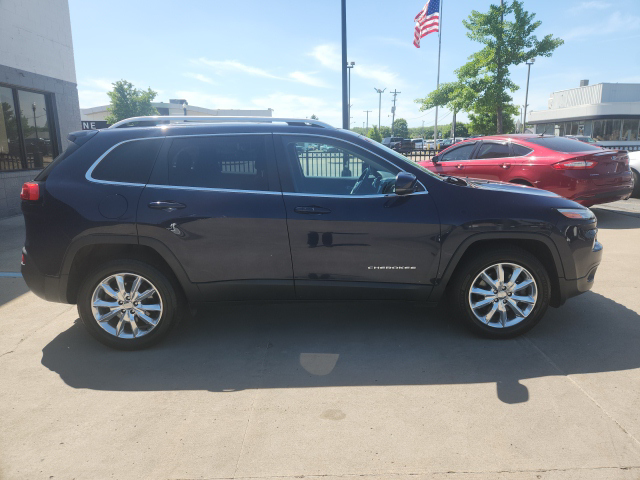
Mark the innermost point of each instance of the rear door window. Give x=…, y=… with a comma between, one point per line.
x=129, y=162
x=463, y=152
x=493, y=150
x=235, y=162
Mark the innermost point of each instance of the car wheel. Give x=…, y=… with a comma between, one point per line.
x=501, y=293
x=636, y=183
x=128, y=305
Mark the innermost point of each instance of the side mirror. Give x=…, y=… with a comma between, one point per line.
x=435, y=159
x=405, y=183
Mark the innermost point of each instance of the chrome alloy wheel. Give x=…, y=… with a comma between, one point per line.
x=126, y=305
x=503, y=295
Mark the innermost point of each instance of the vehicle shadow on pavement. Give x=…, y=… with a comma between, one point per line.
x=609, y=218
x=233, y=347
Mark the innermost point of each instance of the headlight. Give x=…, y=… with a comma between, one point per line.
x=577, y=213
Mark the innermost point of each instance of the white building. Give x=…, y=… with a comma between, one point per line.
x=608, y=112
x=94, y=118
x=37, y=86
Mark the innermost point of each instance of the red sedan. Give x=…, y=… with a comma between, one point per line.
x=581, y=172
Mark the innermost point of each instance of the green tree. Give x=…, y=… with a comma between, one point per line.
x=127, y=101
x=385, y=131
x=314, y=117
x=374, y=134
x=483, y=84
x=484, y=123
x=400, y=128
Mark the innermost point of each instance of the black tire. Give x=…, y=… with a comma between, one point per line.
x=467, y=272
x=636, y=184
x=166, y=291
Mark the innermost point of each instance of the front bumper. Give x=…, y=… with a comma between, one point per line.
x=52, y=289
x=571, y=288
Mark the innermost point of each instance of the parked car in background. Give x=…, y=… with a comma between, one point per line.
x=133, y=223
x=581, y=172
x=418, y=143
x=391, y=142
x=634, y=163
x=582, y=138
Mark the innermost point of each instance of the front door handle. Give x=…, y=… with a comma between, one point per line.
x=166, y=206
x=312, y=210
x=459, y=166
x=505, y=165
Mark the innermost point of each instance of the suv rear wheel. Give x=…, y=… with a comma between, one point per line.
x=128, y=305
x=501, y=293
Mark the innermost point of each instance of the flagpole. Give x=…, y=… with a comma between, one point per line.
x=435, y=129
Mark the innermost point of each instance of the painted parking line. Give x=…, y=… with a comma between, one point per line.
x=10, y=274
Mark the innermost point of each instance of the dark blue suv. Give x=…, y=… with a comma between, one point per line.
x=134, y=222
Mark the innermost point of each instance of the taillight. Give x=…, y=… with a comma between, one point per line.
x=574, y=165
x=30, y=191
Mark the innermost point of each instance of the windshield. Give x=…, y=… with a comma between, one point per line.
x=399, y=156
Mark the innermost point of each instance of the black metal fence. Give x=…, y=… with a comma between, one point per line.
x=329, y=164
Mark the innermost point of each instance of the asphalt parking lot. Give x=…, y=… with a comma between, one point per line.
x=332, y=390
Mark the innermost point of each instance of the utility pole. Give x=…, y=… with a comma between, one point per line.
x=526, y=97
x=380, y=92
x=345, y=95
x=453, y=126
x=368, y=112
x=393, y=110
x=349, y=67
x=435, y=128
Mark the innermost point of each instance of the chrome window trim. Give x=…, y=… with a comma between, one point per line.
x=101, y=157
x=211, y=189
x=356, y=146
x=377, y=195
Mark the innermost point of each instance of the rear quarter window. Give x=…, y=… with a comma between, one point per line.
x=520, y=151
x=563, y=145
x=129, y=162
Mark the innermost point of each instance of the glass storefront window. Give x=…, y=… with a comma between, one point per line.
x=630, y=129
x=36, y=130
x=598, y=130
x=10, y=156
x=612, y=129
x=27, y=138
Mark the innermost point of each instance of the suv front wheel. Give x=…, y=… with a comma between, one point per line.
x=501, y=293
x=128, y=305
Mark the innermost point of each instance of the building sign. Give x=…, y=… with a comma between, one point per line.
x=94, y=124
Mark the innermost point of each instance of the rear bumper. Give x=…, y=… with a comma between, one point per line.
x=604, y=195
x=52, y=289
x=571, y=288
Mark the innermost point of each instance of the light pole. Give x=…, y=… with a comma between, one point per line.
x=379, y=102
x=349, y=67
x=367, y=112
x=393, y=110
x=526, y=97
x=345, y=100
x=33, y=107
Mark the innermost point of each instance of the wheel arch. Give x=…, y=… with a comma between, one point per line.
x=539, y=245
x=88, y=253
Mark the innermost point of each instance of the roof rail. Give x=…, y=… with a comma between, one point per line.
x=167, y=119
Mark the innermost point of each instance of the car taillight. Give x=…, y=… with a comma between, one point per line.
x=574, y=165
x=30, y=191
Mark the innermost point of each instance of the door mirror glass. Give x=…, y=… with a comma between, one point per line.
x=405, y=183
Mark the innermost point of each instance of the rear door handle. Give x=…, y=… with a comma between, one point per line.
x=166, y=206
x=460, y=166
x=312, y=210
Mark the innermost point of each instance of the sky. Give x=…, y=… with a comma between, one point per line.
x=285, y=54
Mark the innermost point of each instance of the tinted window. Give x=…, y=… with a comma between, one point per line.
x=235, y=162
x=130, y=162
x=493, y=150
x=560, y=144
x=333, y=169
x=462, y=152
x=519, y=150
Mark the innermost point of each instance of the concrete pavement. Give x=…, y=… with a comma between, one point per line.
x=331, y=390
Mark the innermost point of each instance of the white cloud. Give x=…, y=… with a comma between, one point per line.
x=200, y=77
x=92, y=98
x=591, y=5
x=616, y=23
x=328, y=55
x=307, y=79
x=233, y=65
x=298, y=106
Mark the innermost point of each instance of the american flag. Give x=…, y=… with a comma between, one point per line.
x=427, y=21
